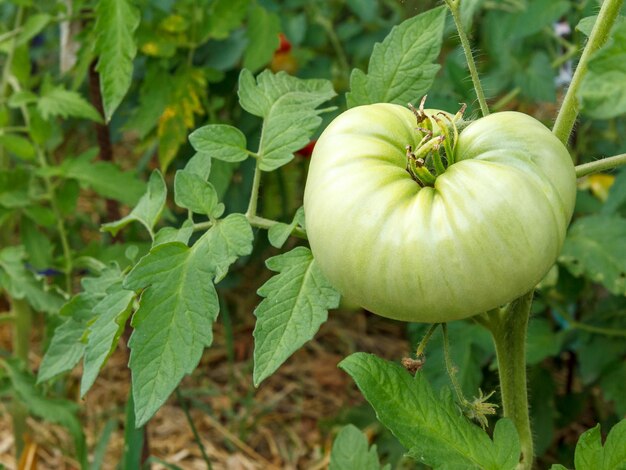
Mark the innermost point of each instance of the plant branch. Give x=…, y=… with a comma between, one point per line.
x=422, y=346
x=600, y=165
x=599, y=34
x=254, y=195
x=255, y=221
x=508, y=328
x=454, y=6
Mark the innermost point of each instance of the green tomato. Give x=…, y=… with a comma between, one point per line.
x=487, y=231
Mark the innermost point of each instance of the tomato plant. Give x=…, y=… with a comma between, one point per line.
x=154, y=154
x=484, y=232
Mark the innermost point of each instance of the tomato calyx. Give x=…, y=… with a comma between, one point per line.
x=437, y=148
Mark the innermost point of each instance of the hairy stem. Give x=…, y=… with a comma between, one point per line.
x=569, y=108
x=454, y=6
x=450, y=367
x=508, y=328
x=422, y=346
x=600, y=165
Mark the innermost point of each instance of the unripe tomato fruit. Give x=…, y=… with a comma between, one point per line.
x=484, y=234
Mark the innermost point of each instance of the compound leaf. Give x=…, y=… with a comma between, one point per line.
x=178, y=306
x=287, y=105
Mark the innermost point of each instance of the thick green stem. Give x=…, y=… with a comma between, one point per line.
x=569, y=109
x=454, y=6
x=600, y=165
x=508, y=328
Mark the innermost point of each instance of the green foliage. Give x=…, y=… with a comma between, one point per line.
x=401, y=69
x=63, y=412
x=57, y=101
x=596, y=247
x=220, y=141
x=428, y=425
x=287, y=106
x=591, y=454
x=23, y=284
x=296, y=304
x=115, y=46
x=177, y=309
x=262, y=38
x=104, y=178
x=149, y=208
x=603, y=92
x=351, y=451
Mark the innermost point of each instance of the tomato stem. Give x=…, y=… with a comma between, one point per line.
x=599, y=34
x=479, y=407
x=600, y=165
x=419, y=352
x=454, y=7
x=508, y=327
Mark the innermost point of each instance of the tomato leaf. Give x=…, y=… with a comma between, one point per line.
x=263, y=29
x=116, y=22
x=596, y=248
x=220, y=141
x=296, y=304
x=287, y=105
x=178, y=306
x=111, y=314
x=351, y=451
x=66, y=347
x=68, y=342
x=63, y=412
x=603, y=90
x=57, y=101
x=147, y=211
x=196, y=194
x=105, y=178
x=279, y=233
x=430, y=426
x=401, y=68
